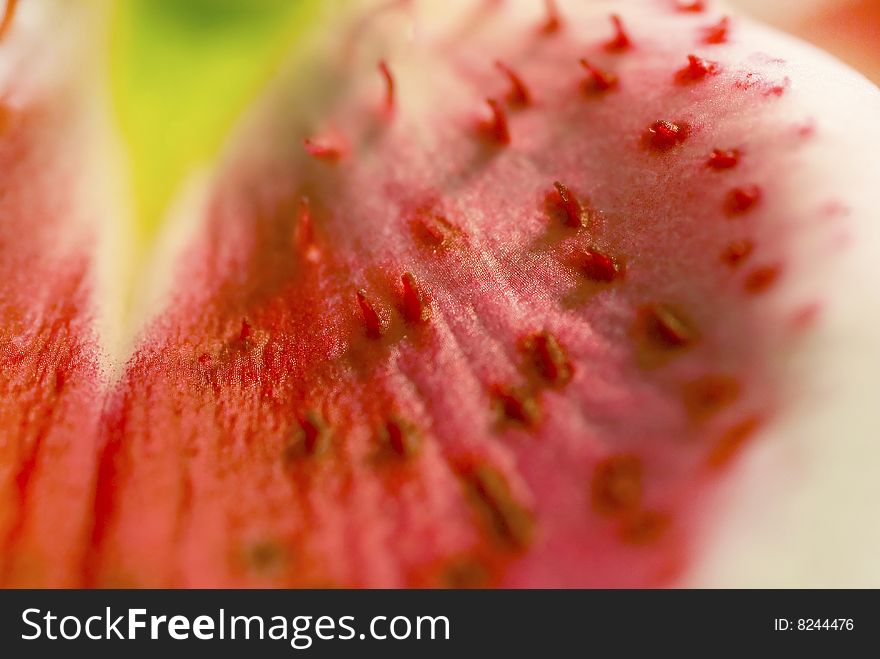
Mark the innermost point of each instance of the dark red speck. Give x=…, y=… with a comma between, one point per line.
x=600, y=267
x=415, y=304
x=742, y=200
x=374, y=324
x=245, y=331
x=401, y=437
x=737, y=252
x=664, y=135
x=517, y=405
x=723, y=159
x=310, y=439
x=315, y=434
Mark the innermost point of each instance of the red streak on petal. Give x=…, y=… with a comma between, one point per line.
x=696, y=69
x=620, y=40
x=8, y=16
x=375, y=324
x=519, y=93
x=598, y=80
x=731, y=442
x=389, y=85
x=415, y=304
x=553, y=22
x=323, y=150
x=498, y=128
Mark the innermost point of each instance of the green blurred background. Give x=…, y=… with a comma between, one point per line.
x=182, y=71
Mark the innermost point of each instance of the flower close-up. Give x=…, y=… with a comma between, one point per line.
x=439, y=294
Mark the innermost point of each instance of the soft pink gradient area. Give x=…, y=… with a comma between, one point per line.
x=848, y=29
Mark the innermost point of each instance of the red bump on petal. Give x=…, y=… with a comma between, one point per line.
x=375, y=325
x=620, y=40
x=696, y=69
x=519, y=93
x=743, y=199
x=737, y=252
x=597, y=80
x=666, y=327
x=512, y=522
x=245, y=332
x=434, y=231
x=762, y=279
x=553, y=22
x=497, y=127
x=575, y=214
x=617, y=484
x=517, y=406
x=600, y=267
x=708, y=395
x=549, y=358
x=323, y=149
x=316, y=435
x=718, y=33
x=401, y=437
x=310, y=439
x=265, y=558
x=695, y=6
x=723, y=159
x=416, y=308
x=644, y=527
x=663, y=135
